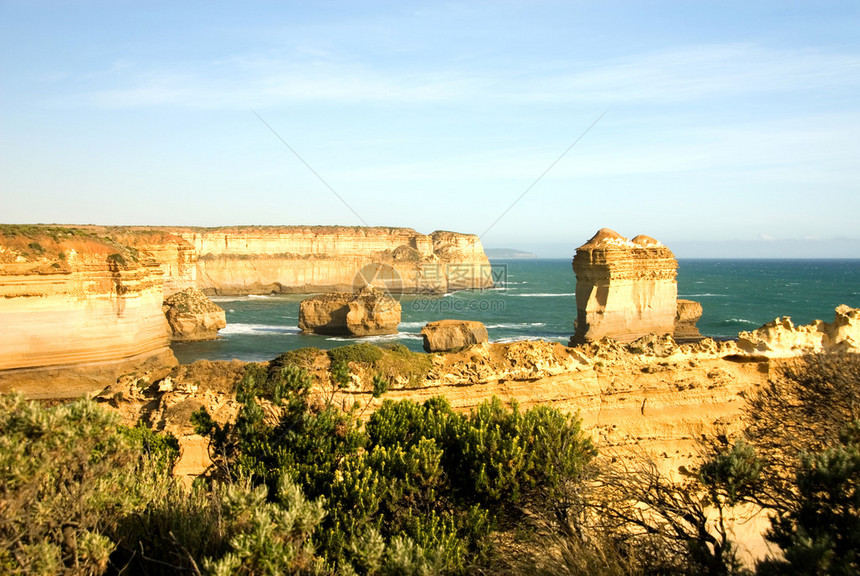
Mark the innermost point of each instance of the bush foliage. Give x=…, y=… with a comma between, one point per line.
x=301, y=486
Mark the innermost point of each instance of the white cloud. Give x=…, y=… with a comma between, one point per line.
x=685, y=73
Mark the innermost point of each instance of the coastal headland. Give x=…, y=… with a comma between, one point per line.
x=82, y=305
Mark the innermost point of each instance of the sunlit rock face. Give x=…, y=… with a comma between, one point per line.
x=369, y=312
x=448, y=335
x=193, y=316
x=76, y=310
x=780, y=338
x=625, y=289
x=687, y=314
x=308, y=259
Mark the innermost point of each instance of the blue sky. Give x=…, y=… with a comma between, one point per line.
x=723, y=128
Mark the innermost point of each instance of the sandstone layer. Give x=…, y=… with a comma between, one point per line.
x=624, y=288
x=302, y=259
x=191, y=315
x=176, y=257
x=450, y=335
x=77, y=311
x=368, y=312
x=780, y=338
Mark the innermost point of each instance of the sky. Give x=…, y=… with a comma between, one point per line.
x=723, y=129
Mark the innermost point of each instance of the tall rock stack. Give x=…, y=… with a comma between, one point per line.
x=625, y=289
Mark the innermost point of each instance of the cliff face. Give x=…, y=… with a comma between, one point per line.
x=263, y=260
x=76, y=310
x=176, y=257
x=624, y=288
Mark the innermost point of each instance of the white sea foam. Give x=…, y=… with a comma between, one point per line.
x=381, y=338
x=543, y=295
x=518, y=325
x=258, y=329
x=403, y=325
x=258, y=297
x=533, y=338
x=739, y=321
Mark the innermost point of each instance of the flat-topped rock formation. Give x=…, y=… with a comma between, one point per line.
x=306, y=259
x=193, y=316
x=780, y=338
x=369, y=312
x=625, y=289
x=76, y=311
x=448, y=335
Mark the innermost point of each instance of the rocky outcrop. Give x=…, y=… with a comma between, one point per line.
x=653, y=394
x=303, y=259
x=193, y=316
x=369, y=312
x=687, y=314
x=780, y=338
x=625, y=289
x=449, y=335
x=77, y=310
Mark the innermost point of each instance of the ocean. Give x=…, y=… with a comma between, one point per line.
x=534, y=299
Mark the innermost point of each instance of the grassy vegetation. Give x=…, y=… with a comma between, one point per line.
x=393, y=362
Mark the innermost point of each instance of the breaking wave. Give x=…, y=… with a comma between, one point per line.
x=544, y=295
x=258, y=329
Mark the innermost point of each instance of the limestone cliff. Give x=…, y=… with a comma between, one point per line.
x=77, y=310
x=300, y=259
x=780, y=338
x=176, y=257
x=624, y=288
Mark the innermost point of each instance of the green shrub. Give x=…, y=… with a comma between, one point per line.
x=392, y=363
x=361, y=352
x=303, y=358
x=117, y=259
x=68, y=479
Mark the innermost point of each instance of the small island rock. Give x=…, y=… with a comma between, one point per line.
x=193, y=316
x=369, y=312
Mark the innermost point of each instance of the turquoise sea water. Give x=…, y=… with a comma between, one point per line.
x=535, y=299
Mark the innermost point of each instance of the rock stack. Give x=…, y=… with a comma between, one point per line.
x=369, y=312
x=193, y=316
x=625, y=289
